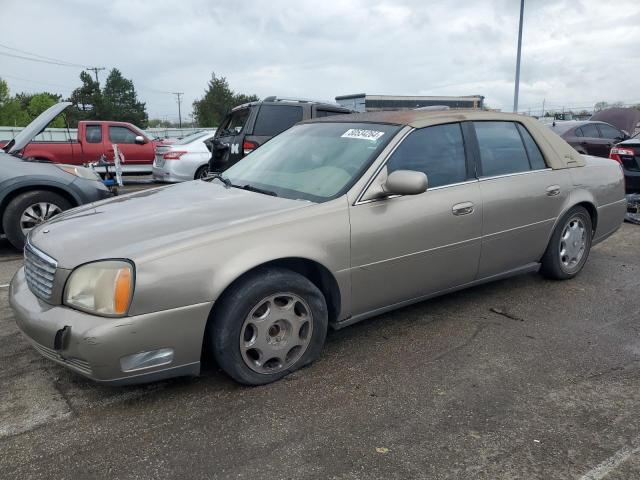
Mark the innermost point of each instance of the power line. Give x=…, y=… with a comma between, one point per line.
x=50, y=62
x=70, y=64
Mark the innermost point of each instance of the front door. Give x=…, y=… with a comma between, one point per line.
x=134, y=153
x=407, y=247
x=227, y=145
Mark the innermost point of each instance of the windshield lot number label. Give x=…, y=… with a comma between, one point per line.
x=362, y=134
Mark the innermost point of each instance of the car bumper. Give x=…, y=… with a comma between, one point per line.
x=632, y=181
x=90, y=191
x=95, y=346
x=161, y=174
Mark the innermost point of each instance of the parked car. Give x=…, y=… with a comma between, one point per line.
x=333, y=221
x=96, y=138
x=623, y=118
x=186, y=159
x=588, y=137
x=32, y=192
x=250, y=125
x=627, y=154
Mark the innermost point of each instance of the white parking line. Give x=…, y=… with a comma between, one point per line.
x=610, y=464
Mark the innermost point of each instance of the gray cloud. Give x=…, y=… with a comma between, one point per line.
x=574, y=52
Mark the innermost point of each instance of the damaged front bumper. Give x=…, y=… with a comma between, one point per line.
x=114, y=351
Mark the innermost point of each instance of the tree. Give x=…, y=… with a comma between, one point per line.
x=218, y=99
x=600, y=106
x=87, y=101
x=121, y=101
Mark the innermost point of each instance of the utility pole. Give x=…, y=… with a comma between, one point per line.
x=517, y=89
x=543, y=100
x=177, y=94
x=95, y=70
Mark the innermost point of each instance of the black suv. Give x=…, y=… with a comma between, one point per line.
x=250, y=125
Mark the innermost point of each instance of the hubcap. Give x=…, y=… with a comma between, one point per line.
x=36, y=214
x=573, y=243
x=276, y=333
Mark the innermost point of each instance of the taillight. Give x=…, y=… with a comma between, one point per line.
x=617, y=151
x=173, y=154
x=248, y=146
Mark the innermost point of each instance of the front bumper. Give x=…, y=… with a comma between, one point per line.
x=89, y=191
x=94, y=345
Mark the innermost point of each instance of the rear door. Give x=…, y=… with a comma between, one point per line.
x=521, y=197
x=93, y=143
x=592, y=142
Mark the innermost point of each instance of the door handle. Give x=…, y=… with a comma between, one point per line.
x=464, y=208
x=553, y=190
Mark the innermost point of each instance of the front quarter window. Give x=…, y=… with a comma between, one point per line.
x=314, y=161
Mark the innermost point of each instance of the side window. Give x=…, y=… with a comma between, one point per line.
x=274, y=119
x=121, y=135
x=608, y=131
x=533, y=151
x=437, y=151
x=327, y=113
x=590, y=130
x=94, y=134
x=501, y=148
x=234, y=122
x=578, y=132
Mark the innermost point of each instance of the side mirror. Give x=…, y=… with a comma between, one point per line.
x=140, y=140
x=405, y=182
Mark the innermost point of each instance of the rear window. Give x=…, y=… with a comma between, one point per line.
x=328, y=113
x=501, y=148
x=590, y=130
x=94, y=134
x=274, y=119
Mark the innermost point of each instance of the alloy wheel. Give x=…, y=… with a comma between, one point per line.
x=36, y=214
x=276, y=333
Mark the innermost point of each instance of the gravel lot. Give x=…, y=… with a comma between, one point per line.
x=523, y=378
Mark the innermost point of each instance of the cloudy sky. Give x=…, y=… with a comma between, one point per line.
x=575, y=52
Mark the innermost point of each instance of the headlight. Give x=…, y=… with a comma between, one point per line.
x=81, y=172
x=102, y=288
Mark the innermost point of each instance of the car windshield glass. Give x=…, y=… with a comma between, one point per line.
x=191, y=138
x=315, y=161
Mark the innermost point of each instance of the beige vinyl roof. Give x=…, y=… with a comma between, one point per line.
x=558, y=153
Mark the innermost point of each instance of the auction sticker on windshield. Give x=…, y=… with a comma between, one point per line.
x=362, y=134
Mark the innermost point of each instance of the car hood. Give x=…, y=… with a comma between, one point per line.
x=34, y=128
x=148, y=222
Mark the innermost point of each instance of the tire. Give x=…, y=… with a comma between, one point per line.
x=201, y=172
x=13, y=214
x=295, y=316
x=573, y=236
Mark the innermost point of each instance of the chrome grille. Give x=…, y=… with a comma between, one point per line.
x=40, y=271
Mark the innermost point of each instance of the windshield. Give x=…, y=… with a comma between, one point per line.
x=191, y=138
x=315, y=161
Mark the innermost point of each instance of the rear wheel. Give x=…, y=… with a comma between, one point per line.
x=267, y=325
x=569, y=246
x=201, y=172
x=28, y=210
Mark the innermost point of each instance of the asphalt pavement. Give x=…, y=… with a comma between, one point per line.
x=524, y=378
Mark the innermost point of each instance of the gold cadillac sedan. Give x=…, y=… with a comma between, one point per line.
x=331, y=222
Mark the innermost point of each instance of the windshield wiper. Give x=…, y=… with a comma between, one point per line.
x=217, y=176
x=251, y=188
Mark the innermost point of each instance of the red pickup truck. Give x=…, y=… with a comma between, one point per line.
x=96, y=138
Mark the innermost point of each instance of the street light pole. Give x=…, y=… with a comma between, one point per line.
x=517, y=89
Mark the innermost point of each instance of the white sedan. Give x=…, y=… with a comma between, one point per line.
x=187, y=159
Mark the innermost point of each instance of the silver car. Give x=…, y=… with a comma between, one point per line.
x=186, y=159
x=329, y=223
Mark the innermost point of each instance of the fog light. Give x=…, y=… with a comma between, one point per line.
x=139, y=361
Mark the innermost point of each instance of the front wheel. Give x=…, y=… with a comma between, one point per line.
x=28, y=210
x=569, y=246
x=270, y=323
